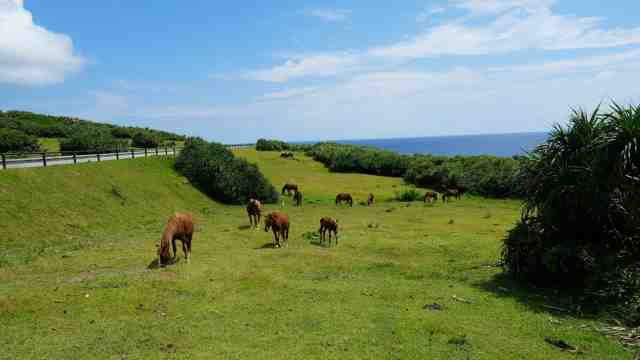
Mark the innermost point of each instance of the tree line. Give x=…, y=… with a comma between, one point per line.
x=20, y=131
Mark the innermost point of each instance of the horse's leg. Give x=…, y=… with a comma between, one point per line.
x=335, y=233
x=173, y=244
x=287, y=235
x=189, y=238
x=184, y=248
x=275, y=235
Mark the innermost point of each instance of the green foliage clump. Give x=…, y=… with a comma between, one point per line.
x=488, y=176
x=277, y=145
x=217, y=172
x=581, y=222
x=408, y=195
x=48, y=126
x=145, y=140
x=14, y=141
x=359, y=159
x=92, y=141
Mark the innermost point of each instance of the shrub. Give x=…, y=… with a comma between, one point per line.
x=145, y=140
x=277, y=145
x=122, y=133
x=408, y=195
x=14, y=141
x=581, y=222
x=92, y=141
x=217, y=172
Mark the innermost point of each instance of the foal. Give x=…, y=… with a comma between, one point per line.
x=279, y=224
x=254, y=210
x=430, y=196
x=297, y=197
x=179, y=227
x=370, y=199
x=331, y=225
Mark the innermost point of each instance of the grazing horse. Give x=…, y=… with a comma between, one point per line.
x=279, y=223
x=288, y=187
x=450, y=193
x=287, y=155
x=344, y=197
x=370, y=199
x=179, y=227
x=254, y=210
x=430, y=196
x=328, y=224
x=297, y=197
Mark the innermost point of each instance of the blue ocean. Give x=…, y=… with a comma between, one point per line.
x=505, y=145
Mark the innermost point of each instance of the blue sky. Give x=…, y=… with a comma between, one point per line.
x=237, y=71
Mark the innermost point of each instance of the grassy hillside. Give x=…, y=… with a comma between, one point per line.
x=78, y=240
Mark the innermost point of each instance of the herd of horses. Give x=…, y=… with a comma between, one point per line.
x=180, y=226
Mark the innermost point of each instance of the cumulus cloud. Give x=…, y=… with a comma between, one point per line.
x=29, y=53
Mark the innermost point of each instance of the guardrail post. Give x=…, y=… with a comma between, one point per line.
x=4, y=162
x=98, y=156
x=75, y=159
x=133, y=154
x=174, y=151
x=156, y=151
x=166, y=151
x=145, y=152
x=44, y=159
x=118, y=153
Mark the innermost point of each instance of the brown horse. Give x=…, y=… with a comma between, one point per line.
x=430, y=196
x=254, y=210
x=328, y=224
x=279, y=223
x=449, y=194
x=179, y=227
x=370, y=199
x=288, y=187
x=297, y=197
x=344, y=197
x=287, y=155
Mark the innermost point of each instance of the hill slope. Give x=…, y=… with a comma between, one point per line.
x=74, y=281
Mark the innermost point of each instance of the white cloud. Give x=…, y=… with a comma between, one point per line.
x=330, y=15
x=31, y=54
x=522, y=25
x=486, y=7
x=511, y=26
x=288, y=94
x=427, y=14
x=601, y=63
x=300, y=66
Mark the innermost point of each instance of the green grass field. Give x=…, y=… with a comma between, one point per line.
x=49, y=144
x=78, y=240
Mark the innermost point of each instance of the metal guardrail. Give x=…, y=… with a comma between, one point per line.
x=44, y=159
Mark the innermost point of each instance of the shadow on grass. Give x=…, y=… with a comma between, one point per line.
x=154, y=263
x=267, y=246
x=560, y=303
x=244, y=227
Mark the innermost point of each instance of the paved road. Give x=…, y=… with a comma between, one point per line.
x=68, y=159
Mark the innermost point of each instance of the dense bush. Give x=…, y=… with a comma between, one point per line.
x=92, y=141
x=217, y=172
x=409, y=195
x=122, y=132
x=482, y=175
x=581, y=223
x=145, y=140
x=277, y=145
x=359, y=159
x=14, y=141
